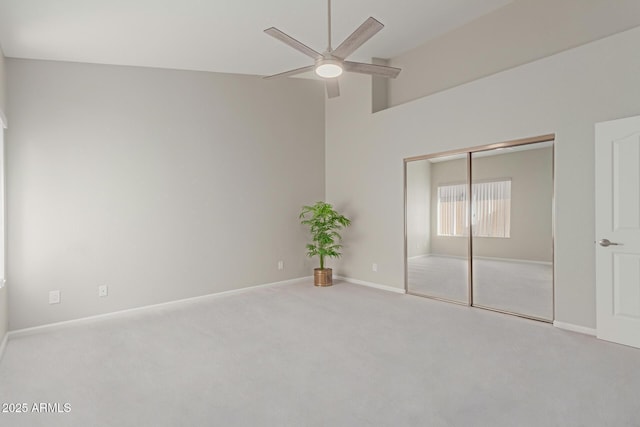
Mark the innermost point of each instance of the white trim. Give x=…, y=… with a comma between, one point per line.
x=574, y=328
x=420, y=256
x=487, y=258
x=372, y=285
x=147, y=308
x=3, y=345
x=3, y=120
x=446, y=256
x=525, y=261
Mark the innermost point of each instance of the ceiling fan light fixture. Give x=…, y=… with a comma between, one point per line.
x=328, y=69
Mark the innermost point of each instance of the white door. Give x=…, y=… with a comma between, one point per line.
x=618, y=230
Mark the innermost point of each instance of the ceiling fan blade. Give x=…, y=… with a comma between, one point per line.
x=364, y=32
x=374, y=70
x=291, y=72
x=286, y=39
x=333, y=88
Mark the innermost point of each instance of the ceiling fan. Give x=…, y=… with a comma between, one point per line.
x=330, y=64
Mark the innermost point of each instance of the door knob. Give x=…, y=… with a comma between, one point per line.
x=606, y=242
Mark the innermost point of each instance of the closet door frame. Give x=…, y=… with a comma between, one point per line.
x=469, y=152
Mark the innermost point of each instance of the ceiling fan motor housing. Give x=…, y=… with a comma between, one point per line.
x=329, y=66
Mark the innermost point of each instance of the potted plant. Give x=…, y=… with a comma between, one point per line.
x=324, y=223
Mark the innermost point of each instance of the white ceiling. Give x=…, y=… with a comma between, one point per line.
x=218, y=35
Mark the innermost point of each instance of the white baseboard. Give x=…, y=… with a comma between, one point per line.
x=524, y=261
x=146, y=308
x=486, y=258
x=446, y=256
x=3, y=345
x=574, y=328
x=372, y=285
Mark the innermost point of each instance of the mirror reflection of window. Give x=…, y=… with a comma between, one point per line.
x=452, y=210
x=490, y=209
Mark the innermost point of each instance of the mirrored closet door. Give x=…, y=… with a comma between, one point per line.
x=437, y=230
x=511, y=222
x=479, y=227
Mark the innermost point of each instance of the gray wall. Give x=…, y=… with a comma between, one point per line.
x=160, y=184
x=531, y=177
x=521, y=32
x=4, y=309
x=565, y=94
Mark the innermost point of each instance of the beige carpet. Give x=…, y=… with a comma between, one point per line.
x=296, y=355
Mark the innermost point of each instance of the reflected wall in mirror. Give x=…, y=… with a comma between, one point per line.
x=511, y=219
x=488, y=211
x=437, y=230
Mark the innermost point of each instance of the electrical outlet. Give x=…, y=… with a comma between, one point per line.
x=280, y=265
x=103, y=291
x=54, y=297
x=374, y=267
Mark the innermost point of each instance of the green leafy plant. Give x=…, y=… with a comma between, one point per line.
x=324, y=223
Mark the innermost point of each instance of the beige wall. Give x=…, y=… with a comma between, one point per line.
x=565, y=94
x=3, y=83
x=160, y=184
x=521, y=32
x=4, y=307
x=531, y=175
x=418, y=207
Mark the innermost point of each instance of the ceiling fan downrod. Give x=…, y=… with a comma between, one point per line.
x=329, y=24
